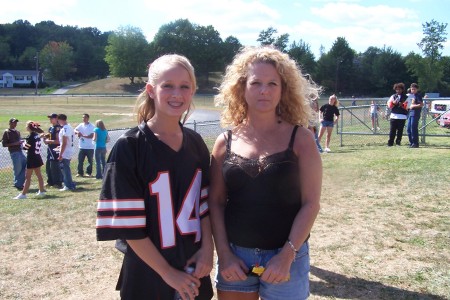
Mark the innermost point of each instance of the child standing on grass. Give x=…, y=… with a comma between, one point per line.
x=329, y=116
x=374, y=109
x=34, y=159
x=155, y=191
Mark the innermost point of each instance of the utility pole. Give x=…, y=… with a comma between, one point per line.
x=338, y=62
x=37, y=73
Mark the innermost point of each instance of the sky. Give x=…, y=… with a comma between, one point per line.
x=363, y=23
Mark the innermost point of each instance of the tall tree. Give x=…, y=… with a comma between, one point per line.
x=127, y=53
x=432, y=43
x=428, y=69
x=201, y=44
x=336, y=67
x=230, y=47
x=56, y=58
x=268, y=37
x=302, y=54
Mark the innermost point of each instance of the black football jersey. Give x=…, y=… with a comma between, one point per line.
x=33, y=147
x=150, y=190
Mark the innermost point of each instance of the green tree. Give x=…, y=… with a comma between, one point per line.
x=267, y=37
x=230, y=47
x=127, y=53
x=56, y=58
x=429, y=69
x=432, y=43
x=201, y=44
x=302, y=54
x=335, y=69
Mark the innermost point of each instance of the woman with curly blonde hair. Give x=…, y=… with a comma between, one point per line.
x=266, y=177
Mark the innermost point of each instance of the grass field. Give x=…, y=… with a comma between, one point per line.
x=382, y=232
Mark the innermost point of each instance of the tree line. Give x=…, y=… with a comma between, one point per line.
x=69, y=52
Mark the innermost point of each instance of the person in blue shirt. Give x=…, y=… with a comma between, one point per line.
x=415, y=109
x=100, y=139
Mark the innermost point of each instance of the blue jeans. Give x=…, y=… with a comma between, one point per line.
x=316, y=137
x=413, y=129
x=53, y=170
x=19, y=166
x=296, y=288
x=100, y=161
x=67, y=175
x=89, y=153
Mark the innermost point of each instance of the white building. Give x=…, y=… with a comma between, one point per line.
x=23, y=77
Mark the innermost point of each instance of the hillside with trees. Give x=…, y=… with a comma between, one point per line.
x=83, y=54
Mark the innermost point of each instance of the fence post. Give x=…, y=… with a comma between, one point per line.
x=424, y=122
x=195, y=126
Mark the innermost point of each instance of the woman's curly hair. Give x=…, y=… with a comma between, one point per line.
x=296, y=93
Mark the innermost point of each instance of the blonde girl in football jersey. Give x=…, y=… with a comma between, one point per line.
x=154, y=193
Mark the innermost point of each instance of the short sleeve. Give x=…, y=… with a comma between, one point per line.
x=121, y=210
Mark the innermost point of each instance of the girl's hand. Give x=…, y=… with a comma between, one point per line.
x=203, y=261
x=232, y=268
x=185, y=284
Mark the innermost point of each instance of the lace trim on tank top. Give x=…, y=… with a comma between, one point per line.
x=254, y=166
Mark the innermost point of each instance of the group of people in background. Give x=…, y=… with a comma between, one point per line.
x=59, y=140
x=405, y=108
x=164, y=196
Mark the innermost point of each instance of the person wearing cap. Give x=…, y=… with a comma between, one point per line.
x=85, y=132
x=51, y=139
x=11, y=139
x=65, y=151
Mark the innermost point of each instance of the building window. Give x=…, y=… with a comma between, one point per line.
x=1, y=78
x=17, y=77
x=29, y=77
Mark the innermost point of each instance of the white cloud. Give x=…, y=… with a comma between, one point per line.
x=242, y=19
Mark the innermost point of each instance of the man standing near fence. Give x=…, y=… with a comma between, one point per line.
x=415, y=110
x=85, y=132
x=52, y=167
x=11, y=139
x=65, y=152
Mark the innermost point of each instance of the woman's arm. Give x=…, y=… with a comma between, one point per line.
x=310, y=170
x=229, y=264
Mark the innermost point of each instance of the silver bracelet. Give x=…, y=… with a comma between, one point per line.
x=293, y=248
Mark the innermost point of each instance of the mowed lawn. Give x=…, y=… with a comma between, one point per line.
x=382, y=232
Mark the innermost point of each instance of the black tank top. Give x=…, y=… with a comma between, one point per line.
x=263, y=197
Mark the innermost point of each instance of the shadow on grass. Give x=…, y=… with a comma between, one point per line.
x=340, y=286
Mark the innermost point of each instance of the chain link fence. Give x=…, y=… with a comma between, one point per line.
x=355, y=126
x=209, y=130
x=353, y=130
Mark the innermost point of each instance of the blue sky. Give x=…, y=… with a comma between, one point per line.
x=363, y=23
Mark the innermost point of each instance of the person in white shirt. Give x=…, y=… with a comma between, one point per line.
x=85, y=132
x=65, y=152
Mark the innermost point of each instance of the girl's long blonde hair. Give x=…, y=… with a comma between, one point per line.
x=297, y=89
x=145, y=105
x=100, y=124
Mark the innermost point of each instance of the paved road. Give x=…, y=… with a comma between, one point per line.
x=64, y=90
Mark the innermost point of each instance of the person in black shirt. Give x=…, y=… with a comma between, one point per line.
x=155, y=191
x=52, y=166
x=266, y=178
x=34, y=159
x=329, y=115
